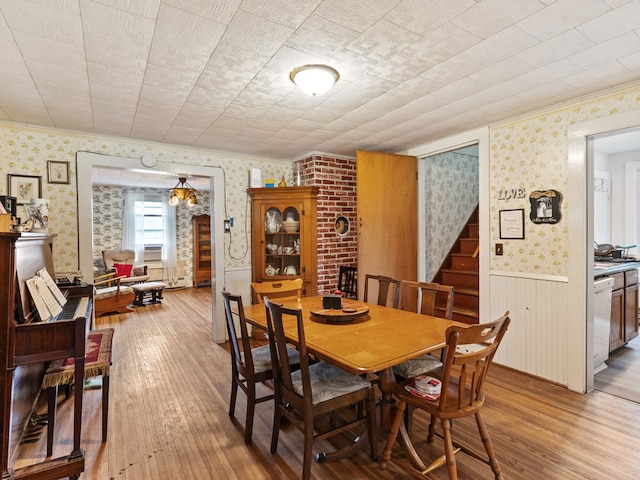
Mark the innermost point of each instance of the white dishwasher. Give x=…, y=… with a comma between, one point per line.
x=601, y=321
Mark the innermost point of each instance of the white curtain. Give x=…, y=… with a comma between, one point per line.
x=170, y=252
x=133, y=224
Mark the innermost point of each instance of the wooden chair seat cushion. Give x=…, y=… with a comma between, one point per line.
x=147, y=286
x=97, y=360
x=109, y=292
x=328, y=382
x=262, y=358
x=417, y=366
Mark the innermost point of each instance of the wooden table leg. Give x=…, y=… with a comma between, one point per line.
x=386, y=382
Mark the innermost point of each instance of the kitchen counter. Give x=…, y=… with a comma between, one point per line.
x=601, y=269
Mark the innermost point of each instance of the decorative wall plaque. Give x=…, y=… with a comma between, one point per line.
x=545, y=206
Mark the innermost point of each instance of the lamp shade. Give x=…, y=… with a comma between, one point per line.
x=183, y=192
x=314, y=79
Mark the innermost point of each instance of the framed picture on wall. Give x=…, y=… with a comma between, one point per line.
x=58, y=172
x=24, y=187
x=512, y=224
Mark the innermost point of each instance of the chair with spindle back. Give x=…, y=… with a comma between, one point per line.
x=468, y=357
x=348, y=281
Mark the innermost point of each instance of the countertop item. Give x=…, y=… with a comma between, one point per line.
x=601, y=269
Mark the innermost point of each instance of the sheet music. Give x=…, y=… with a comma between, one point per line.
x=45, y=302
x=57, y=293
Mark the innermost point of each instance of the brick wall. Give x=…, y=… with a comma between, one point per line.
x=336, y=178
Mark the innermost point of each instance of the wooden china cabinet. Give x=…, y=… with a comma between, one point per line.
x=284, y=235
x=201, y=250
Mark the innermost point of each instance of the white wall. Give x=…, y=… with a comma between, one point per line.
x=619, y=214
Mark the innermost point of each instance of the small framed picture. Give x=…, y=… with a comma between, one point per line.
x=24, y=187
x=512, y=224
x=58, y=172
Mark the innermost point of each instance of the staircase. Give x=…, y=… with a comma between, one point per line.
x=461, y=270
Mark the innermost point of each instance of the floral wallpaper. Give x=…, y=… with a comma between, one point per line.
x=531, y=154
x=451, y=195
x=108, y=206
x=25, y=150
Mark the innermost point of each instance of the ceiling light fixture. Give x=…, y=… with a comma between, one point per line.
x=314, y=79
x=183, y=192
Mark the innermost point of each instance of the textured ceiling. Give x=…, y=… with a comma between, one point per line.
x=214, y=74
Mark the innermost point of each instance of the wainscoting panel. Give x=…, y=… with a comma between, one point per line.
x=238, y=281
x=536, y=341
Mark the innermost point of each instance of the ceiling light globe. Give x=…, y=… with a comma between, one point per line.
x=314, y=79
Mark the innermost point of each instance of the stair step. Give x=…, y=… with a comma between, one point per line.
x=461, y=278
x=464, y=261
x=466, y=316
x=468, y=245
x=466, y=298
x=474, y=230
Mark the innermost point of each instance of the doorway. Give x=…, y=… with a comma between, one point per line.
x=476, y=142
x=86, y=161
x=615, y=157
x=579, y=318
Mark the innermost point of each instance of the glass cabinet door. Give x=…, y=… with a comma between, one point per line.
x=282, y=242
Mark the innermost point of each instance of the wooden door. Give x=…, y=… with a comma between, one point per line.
x=387, y=215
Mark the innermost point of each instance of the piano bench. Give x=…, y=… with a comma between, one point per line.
x=152, y=289
x=61, y=372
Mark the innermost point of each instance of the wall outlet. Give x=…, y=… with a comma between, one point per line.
x=499, y=249
x=227, y=226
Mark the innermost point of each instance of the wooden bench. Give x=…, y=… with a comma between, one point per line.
x=147, y=289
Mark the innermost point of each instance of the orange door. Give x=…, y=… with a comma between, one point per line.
x=387, y=216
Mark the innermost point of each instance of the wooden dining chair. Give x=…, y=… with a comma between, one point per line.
x=289, y=289
x=249, y=367
x=348, y=281
x=315, y=390
x=462, y=394
x=388, y=290
x=281, y=290
x=427, y=299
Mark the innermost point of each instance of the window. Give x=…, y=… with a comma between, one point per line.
x=153, y=225
x=148, y=226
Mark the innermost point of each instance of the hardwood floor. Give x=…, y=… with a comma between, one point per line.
x=620, y=378
x=168, y=417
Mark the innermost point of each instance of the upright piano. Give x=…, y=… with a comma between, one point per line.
x=28, y=343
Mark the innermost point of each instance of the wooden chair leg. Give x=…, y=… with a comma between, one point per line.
x=105, y=406
x=488, y=446
x=234, y=394
x=52, y=404
x=371, y=425
x=449, y=451
x=307, y=456
x=275, y=433
x=251, y=408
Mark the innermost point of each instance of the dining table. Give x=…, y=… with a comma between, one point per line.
x=366, y=343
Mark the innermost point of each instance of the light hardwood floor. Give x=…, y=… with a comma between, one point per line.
x=168, y=417
x=621, y=376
